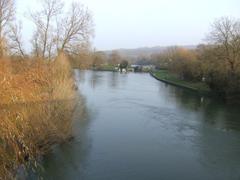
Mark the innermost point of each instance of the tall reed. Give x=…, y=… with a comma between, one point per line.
x=37, y=100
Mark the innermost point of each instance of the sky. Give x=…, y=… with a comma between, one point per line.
x=145, y=23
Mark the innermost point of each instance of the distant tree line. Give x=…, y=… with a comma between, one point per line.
x=97, y=59
x=217, y=63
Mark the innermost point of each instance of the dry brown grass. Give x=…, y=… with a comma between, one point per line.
x=36, y=105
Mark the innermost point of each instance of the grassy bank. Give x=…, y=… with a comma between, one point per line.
x=105, y=68
x=37, y=102
x=166, y=76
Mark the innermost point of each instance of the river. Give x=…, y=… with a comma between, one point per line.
x=133, y=127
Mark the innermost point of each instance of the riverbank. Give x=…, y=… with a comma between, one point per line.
x=167, y=77
x=105, y=68
x=37, y=103
x=115, y=69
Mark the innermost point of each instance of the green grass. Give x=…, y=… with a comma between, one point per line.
x=165, y=75
x=106, y=68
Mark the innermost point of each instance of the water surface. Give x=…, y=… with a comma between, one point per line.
x=133, y=127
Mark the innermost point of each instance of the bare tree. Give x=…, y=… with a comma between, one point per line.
x=76, y=28
x=15, y=40
x=99, y=58
x=35, y=45
x=58, y=31
x=114, y=58
x=225, y=35
x=43, y=21
x=7, y=15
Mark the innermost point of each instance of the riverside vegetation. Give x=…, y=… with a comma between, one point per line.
x=211, y=68
x=215, y=65
x=37, y=89
x=37, y=103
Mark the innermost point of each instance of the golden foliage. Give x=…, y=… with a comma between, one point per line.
x=37, y=102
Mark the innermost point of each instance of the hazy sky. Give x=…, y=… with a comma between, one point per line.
x=140, y=23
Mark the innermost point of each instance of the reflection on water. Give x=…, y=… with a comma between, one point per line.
x=113, y=80
x=214, y=111
x=95, y=79
x=68, y=159
x=135, y=127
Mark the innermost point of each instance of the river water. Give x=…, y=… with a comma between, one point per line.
x=133, y=127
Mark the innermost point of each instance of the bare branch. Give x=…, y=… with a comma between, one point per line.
x=43, y=21
x=77, y=28
x=15, y=39
x=7, y=15
x=57, y=31
x=225, y=35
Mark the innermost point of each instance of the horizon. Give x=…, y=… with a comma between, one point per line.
x=149, y=24
x=150, y=47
